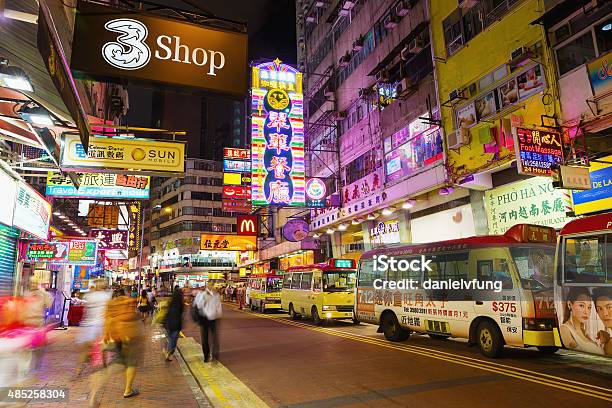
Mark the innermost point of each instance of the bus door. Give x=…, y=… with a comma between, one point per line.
x=498, y=293
x=307, y=298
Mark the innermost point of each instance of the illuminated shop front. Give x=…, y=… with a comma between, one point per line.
x=295, y=259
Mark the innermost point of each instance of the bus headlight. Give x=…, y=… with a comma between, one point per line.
x=530, y=323
x=328, y=315
x=326, y=308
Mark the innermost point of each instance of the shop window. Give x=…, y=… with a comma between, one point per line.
x=575, y=53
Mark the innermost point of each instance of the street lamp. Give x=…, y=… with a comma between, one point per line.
x=14, y=77
x=36, y=115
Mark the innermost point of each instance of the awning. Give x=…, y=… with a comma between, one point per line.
x=560, y=12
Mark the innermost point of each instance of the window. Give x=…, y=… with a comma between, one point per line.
x=575, y=53
x=367, y=273
x=339, y=281
x=295, y=281
x=306, y=281
x=535, y=266
x=604, y=37
x=361, y=167
x=453, y=32
x=586, y=259
x=494, y=270
x=287, y=281
x=316, y=283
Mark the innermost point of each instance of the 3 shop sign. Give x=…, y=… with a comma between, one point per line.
x=109, y=42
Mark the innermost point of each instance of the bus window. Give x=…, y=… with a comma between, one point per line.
x=454, y=266
x=396, y=274
x=366, y=273
x=274, y=285
x=316, y=283
x=535, y=266
x=306, y=281
x=496, y=269
x=287, y=281
x=295, y=282
x=339, y=281
x=585, y=259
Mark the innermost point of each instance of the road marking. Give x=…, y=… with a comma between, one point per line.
x=507, y=370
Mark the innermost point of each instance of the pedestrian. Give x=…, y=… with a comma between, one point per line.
x=208, y=306
x=228, y=293
x=152, y=300
x=240, y=296
x=121, y=329
x=174, y=321
x=143, y=304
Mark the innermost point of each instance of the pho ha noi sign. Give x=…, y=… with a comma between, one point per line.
x=110, y=42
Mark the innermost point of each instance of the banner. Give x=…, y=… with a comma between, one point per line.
x=226, y=242
x=120, y=155
x=135, y=228
x=99, y=185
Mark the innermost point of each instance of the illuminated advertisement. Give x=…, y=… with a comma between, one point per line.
x=416, y=147
x=32, y=212
x=599, y=197
x=227, y=242
x=114, y=154
x=237, y=192
x=237, y=166
x=277, y=133
x=537, y=150
x=111, y=238
x=47, y=252
x=82, y=252
x=81, y=278
x=385, y=233
x=99, y=185
x=235, y=153
x=600, y=74
x=8, y=186
x=135, y=228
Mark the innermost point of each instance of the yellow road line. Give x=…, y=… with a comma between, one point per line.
x=515, y=372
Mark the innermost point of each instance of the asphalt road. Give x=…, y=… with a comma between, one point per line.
x=297, y=364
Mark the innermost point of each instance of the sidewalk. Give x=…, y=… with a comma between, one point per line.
x=161, y=383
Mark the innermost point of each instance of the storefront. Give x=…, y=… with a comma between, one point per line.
x=301, y=257
x=8, y=259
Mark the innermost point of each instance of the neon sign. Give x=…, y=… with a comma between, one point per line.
x=277, y=132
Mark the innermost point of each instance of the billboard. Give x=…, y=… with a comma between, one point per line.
x=237, y=206
x=82, y=252
x=235, y=153
x=600, y=74
x=247, y=225
x=537, y=150
x=32, y=212
x=55, y=252
x=277, y=135
x=123, y=155
x=599, y=197
x=99, y=185
x=237, y=192
x=226, y=242
x=109, y=239
x=237, y=166
x=110, y=42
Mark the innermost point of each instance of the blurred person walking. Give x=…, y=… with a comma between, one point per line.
x=208, y=306
x=174, y=320
x=122, y=329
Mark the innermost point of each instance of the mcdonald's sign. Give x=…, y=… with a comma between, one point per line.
x=247, y=225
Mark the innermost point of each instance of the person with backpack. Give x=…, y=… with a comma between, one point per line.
x=208, y=310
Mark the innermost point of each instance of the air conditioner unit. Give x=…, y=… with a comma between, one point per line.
x=382, y=76
x=519, y=53
x=391, y=22
x=310, y=19
x=415, y=46
x=365, y=92
x=348, y=5
x=458, y=138
x=402, y=8
x=328, y=106
x=467, y=4
x=404, y=87
x=455, y=94
x=328, y=91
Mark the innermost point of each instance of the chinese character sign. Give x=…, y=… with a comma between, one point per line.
x=134, y=229
x=537, y=150
x=277, y=136
x=47, y=252
x=32, y=212
x=99, y=185
x=82, y=252
x=110, y=239
x=226, y=242
x=531, y=201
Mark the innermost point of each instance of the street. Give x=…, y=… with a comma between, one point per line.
x=297, y=364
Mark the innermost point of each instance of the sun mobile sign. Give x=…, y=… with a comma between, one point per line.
x=277, y=133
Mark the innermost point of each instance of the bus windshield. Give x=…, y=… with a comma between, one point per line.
x=535, y=266
x=274, y=284
x=339, y=281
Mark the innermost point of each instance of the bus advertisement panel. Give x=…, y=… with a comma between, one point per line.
x=583, y=285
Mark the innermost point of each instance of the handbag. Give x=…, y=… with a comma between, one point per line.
x=194, y=313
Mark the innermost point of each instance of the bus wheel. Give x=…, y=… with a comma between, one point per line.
x=392, y=329
x=548, y=349
x=292, y=314
x=315, y=316
x=437, y=336
x=490, y=339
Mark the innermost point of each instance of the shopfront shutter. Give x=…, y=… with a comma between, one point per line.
x=8, y=257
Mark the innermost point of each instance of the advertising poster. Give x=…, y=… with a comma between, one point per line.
x=8, y=186
x=99, y=185
x=466, y=115
x=54, y=252
x=486, y=105
x=531, y=201
x=599, y=197
x=508, y=93
x=600, y=74
x=277, y=135
x=537, y=150
x=81, y=278
x=530, y=82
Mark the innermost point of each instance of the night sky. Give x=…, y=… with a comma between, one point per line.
x=271, y=30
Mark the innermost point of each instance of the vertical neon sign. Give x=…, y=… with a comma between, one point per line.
x=277, y=135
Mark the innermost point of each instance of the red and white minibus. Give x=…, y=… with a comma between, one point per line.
x=491, y=290
x=583, y=285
